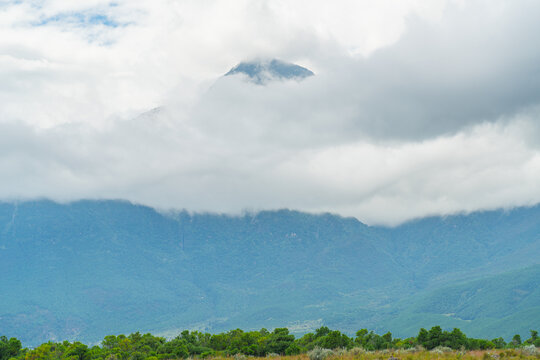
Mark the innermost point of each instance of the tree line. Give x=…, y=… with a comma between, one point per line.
x=280, y=341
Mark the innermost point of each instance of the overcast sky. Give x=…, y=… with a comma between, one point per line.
x=417, y=107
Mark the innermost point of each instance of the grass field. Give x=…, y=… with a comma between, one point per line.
x=360, y=354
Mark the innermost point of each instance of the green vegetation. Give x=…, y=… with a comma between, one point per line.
x=279, y=342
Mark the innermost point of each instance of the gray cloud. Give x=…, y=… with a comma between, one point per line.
x=475, y=65
x=478, y=64
x=176, y=165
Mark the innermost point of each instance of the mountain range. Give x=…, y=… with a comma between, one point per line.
x=86, y=269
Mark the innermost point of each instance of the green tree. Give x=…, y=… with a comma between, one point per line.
x=423, y=337
x=499, y=343
x=387, y=339
x=279, y=341
x=109, y=342
x=435, y=337
x=78, y=351
x=293, y=349
x=456, y=339
x=534, y=337
x=9, y=348
x=516, y=340
x=360, y=337
x=322, y=331
x=333, y=340
x=137, y=355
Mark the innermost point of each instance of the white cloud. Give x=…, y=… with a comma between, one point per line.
x=180, y=166
x=421, y=108
x=96, y=71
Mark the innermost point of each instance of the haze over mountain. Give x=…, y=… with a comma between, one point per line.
x=257, y=71
x=91, y=268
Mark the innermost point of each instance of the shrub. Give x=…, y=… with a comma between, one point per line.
x=417, y=348
x=340, y=352
x=355, y=351
x=240, y=357
x=441, y=350
x=530, y=350
x=319, y=354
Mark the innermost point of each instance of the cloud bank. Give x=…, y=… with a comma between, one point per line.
x=418, y=109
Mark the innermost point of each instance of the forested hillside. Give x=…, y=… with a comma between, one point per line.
x=90, y=268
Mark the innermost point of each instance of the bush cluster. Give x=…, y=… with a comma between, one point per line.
x=240, y=344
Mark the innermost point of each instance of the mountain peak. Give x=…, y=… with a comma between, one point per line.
x=263, y=71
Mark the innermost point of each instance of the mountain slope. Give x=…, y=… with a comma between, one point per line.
x=90, y=268
x=262, y=71
x=442, y=249
x=499, y=305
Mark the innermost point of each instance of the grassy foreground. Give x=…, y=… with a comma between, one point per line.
x=411, y=354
